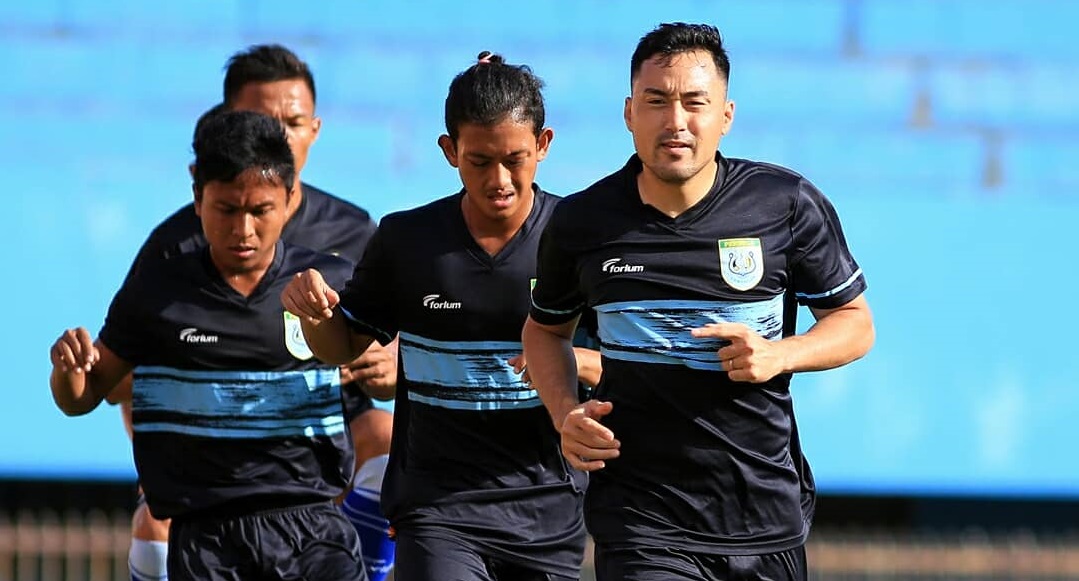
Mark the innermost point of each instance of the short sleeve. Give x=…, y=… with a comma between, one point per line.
x=556, y=297
x=824, y=273
x=126, y=324
x=367, y=298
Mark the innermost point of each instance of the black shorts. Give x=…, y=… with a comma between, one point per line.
x=672, y=564
x=424, y=557
x=355, y=400
x=304, y=542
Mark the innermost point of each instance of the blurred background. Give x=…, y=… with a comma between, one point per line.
x=946, y=132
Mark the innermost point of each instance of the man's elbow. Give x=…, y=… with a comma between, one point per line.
x=867, y=337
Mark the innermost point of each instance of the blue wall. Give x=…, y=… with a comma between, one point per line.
x=946, y=132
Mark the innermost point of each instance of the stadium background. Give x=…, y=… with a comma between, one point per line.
x=945, y=131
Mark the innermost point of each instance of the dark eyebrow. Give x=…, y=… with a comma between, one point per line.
x=668, y=94
x=517, y=153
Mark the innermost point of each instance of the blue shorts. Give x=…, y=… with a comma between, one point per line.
x=304, y=542
x=672, y=564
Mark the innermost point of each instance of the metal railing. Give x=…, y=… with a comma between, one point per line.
x=46, y=546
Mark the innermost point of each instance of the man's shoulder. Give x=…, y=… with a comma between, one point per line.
x=322, y=202
x=422, y=217
x=743, y=170
x=179, y=233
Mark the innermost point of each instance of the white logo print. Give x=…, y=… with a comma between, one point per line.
x=192, y=335
x=432, y=302
x=611, y=265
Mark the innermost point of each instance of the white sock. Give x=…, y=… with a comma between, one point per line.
x=369, y=476
x=147, y=559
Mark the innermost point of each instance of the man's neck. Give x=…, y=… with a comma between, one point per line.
x=674, y=198
x=493, y=235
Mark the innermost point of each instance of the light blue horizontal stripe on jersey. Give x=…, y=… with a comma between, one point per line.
x=454, y=404
x=238, y=404
x=308, y=429
x=658, y=331
x=465, y=375
x=467, y=365
x=836, y=290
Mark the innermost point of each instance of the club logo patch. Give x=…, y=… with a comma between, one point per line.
x=741, y=262
x=294, y=341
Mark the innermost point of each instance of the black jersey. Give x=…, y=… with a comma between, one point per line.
x=474, y=451
x=230, y=408
x=323, y=222
x=706, y=463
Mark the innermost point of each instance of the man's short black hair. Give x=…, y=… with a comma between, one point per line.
x=264, y=63
x=670, y=39
x=229, y=143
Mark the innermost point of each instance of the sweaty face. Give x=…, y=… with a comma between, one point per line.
x=291, y=103
x=678, y=113
x=497, y=164
x=242, y=220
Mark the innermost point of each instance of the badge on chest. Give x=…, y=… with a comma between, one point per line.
x=741, y=262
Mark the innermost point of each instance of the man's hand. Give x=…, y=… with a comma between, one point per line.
x=520, y=367
x=375, y=371
x=74, y=352
x=309, y=297
x=749, y=357
x=586, y=443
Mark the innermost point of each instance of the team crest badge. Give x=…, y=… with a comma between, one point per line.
x=741, y=262
x=294, y=340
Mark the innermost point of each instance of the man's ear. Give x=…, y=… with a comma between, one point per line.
x=449, y=149
x=198, y=197
x=543, y=143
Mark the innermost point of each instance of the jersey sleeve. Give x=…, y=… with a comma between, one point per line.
x=124, y=331
x=824, y=273
x=556, y=297
x=367, y=298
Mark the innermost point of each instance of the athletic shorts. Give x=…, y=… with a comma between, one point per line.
x=424, y=558
x=672, y=564
x=298, y=543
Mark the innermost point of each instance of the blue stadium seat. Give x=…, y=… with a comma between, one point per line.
x=17, y=14
x=782, y=91
x=929, y=161
x=750, y=25
x=155, y=21
x=1042, y=165
x=970, y=28
x=1033, y=95
x=113, y=73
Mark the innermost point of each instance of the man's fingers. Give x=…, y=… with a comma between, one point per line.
x=728, y=331
x=596, y=409
x=86, y=348
x=586, y=458
x=64, y=356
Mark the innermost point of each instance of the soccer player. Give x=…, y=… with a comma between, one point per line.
x=476, y=489
x=695, y=264
x=239, y=436
x=272, y=80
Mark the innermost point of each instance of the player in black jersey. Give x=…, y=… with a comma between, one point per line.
x=272, y=80
x=695, y=264
x=476, y=488
x=239, y=436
